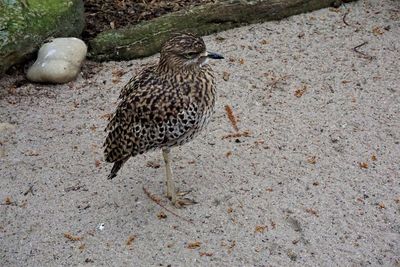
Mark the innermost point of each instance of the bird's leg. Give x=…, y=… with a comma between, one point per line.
x=172, y=194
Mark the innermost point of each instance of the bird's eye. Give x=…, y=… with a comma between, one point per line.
x=190, y=55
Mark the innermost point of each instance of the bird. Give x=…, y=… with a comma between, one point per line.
x=165, y=105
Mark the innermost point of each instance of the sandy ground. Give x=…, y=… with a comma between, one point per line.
x=316, y=184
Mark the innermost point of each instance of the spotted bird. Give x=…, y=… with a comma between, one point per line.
x=163, y=106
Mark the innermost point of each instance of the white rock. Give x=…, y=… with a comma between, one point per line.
x=59, y=61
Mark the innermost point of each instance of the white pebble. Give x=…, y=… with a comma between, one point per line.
x=59, y=61
x=100, y=226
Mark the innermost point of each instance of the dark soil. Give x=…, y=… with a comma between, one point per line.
x=103, y=15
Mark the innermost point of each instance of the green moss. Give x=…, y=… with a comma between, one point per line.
x=26, y=24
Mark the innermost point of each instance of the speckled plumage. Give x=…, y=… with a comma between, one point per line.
x=165, y=105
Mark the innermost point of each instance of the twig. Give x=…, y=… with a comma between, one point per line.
x=158, y=202
x=75, y=188
x=344, y=18
x=231, y=117
x=30, y=190
x=237, y=135
x=355, y=49
x=274, y=83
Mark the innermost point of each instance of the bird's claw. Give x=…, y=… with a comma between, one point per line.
x=183, y=193
x=181, y=202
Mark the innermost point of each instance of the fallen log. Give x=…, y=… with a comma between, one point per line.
x=145, y=38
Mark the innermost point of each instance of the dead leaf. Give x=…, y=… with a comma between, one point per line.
x=161, y=215
x=118, y=73
x=312, y=211
x=193, y=245
x=228, y=154
x=153, y=164
x=130, y=240
x=374, y=158
x=31, y=153
x=261, y=228
x=219, y=39
x=377, y=31
x=241, y=61
x=76, y=104
x=231, y=246
x=299, y=92
x=264, y=42
x=226, y=75
x=71, y=237
x=259, y=142
x=8, y=201
x=333, y=9
x=208, y=254
x=106, y=116
x=97, y=163
x=359, y=199
x=23, y=204
x=12, y=90
x=312, y=160
x=381, y=205
x=82, y=247
x=363, y=165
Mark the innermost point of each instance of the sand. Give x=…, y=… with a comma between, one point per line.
x=316, y=183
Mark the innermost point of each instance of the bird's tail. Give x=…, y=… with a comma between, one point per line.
x=117, y=166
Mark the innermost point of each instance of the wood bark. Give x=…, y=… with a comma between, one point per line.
x=145, y=38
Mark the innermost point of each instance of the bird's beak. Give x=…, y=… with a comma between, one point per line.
x=214, y=55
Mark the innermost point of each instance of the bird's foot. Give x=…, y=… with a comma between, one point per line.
x=180, y=201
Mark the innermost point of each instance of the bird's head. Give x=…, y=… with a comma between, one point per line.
x=186, y=51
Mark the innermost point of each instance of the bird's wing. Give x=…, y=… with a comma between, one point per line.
x=146, y=101
x=143, y=78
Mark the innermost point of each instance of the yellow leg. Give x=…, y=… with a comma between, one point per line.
x=171, y=192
